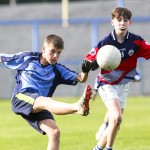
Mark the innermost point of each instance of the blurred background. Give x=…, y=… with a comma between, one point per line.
x=24, y=24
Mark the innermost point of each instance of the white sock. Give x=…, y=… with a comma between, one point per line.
x=97, y=148
x=108, y=148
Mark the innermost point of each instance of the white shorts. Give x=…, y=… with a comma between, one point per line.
x=119, y=91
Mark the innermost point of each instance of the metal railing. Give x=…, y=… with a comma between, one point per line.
x=93, y=22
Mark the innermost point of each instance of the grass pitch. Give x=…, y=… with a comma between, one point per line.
x=77, y=132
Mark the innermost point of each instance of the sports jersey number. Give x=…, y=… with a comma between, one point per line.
x=122, y=54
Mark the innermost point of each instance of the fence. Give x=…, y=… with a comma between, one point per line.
x=93, y=22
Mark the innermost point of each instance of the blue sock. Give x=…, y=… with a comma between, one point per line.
x=97, y=148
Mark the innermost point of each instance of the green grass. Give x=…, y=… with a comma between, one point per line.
x=77, y=132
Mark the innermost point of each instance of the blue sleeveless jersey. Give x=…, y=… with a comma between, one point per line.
x=33, y=77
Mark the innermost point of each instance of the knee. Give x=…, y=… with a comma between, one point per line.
x=117, y=120
x=54, y=133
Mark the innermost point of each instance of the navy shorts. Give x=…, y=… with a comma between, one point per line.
x=22, y=104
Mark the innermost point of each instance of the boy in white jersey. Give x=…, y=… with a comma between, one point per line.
x=38, y=75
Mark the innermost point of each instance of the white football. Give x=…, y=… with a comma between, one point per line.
x=108, y=57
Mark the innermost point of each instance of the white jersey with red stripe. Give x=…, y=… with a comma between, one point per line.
x=131, y=49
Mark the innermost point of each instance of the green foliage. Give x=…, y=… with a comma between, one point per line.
x=77, y=132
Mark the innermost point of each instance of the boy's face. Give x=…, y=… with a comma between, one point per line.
x=121, y=24
x=50, y=53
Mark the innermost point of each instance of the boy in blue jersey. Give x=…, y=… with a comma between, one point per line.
x=38, y=75
x=114, y=84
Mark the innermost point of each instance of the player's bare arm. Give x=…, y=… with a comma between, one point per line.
x=82, y=77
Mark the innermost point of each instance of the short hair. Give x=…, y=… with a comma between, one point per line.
x=56, y=40
x=121, y=11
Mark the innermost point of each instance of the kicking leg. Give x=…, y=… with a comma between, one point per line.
x=60, y=108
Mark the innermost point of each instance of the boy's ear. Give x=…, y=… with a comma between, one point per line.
x=112, y=22
x=43, y=48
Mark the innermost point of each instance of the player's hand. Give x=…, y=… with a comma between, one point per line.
x=94, y=65
x=86, y=66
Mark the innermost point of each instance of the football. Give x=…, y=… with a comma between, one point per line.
x=108, y=57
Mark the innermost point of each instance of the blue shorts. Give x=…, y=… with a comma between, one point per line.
x=22, y=104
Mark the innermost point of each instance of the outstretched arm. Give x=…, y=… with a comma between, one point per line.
x=82, y=77
x=15, y=61
x=86, y=67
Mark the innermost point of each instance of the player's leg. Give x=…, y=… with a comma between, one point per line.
x=114, y=98
x=50, y=128
x=103, y=138
x=44, y=123
x=60, y=108
x=102, y=127
x=115, y=119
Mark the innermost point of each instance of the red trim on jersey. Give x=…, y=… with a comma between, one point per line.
x=105, y=71
x=128, y=64
x=112, y=83
x=92, y=54
x=144, y=49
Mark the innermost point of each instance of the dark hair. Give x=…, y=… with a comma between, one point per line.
x=121, y=11
x=56, y=40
